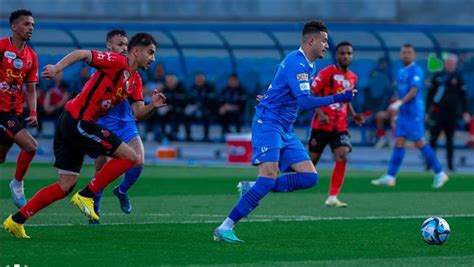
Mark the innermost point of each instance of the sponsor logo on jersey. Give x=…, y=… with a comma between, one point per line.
x=9, y=54
x=304, y=86
x=302, y=76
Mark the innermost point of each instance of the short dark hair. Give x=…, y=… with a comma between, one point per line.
x=343, y=43
x=407, y=45
x=314, y=26
x=141, y=39
x=19, y=13
x=114, y=32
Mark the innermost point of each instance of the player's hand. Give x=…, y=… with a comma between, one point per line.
x=49, y=71
x=32, y=121
x=322, y=118
x=259, y=98
x=358, y=119
x=158, y=100
x=395, y=106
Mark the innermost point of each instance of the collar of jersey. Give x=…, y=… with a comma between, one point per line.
x=309, y=62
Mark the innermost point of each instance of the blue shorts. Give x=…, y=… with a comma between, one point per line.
x=413, y=130
x=126, y=130
x=270, y=144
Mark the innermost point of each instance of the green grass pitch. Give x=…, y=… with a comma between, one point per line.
x=175, y=210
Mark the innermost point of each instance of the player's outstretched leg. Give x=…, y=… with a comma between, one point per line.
x=14, y=224
x=248, y=202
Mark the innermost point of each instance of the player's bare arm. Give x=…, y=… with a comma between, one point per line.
x=32, y=119
x=358, y=118
x=409, y=96
x=142, y=111
x=49, y=71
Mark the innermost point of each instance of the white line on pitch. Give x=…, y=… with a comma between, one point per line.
x=267, y=218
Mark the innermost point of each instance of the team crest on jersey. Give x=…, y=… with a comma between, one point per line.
x=302, y=76
x=313, y=142
x=10, y=124
x=106, y=104
x=105, y=133
x=18, y=63
x=9, y=54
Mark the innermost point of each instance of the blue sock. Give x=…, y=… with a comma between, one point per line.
x=249, y=201
x=97, y=198
x=431, y=158
x=396, y=161
x=131, y=176
x=295, y=181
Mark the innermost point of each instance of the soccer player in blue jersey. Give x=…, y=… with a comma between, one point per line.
x=410, y=121
x=121, y=121
x=274, y=142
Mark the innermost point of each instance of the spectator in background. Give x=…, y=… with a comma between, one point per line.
x=173, y=113
x=202, y=103
x=232, y=104
x=155, y=124
x=446, y=100
x=84, y=75
x=378, y=93
x=55, y=98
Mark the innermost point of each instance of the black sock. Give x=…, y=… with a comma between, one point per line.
x=19, y=218
x=86, y=192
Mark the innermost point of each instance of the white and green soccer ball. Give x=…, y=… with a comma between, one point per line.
x=435, y=230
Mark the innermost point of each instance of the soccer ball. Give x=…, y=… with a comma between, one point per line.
x=435, y=230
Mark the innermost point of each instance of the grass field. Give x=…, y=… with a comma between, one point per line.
x=175, y=210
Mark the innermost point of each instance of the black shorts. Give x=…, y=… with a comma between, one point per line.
x=319, y=139
x=76, y=138
x=10, y=125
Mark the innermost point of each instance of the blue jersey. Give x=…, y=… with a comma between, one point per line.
x=408, y=77
x=279, y=105
x=120, y=112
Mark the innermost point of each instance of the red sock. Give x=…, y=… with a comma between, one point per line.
x=43, y=198
x=109, y=172
x=22, y=164
x=337, y=177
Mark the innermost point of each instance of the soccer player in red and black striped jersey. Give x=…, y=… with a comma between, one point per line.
x=329, y=125
x=78, y=134
x=18, y=66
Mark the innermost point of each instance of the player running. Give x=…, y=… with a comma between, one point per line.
x=329, y=125
x=410, y=121
x=78, y=134
x=274, y=142
x=18, y=66
x=121, y=121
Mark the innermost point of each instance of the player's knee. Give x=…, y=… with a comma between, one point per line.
x=269, y=171
x=140, y=161
x=309, y=179
x=31, y=149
